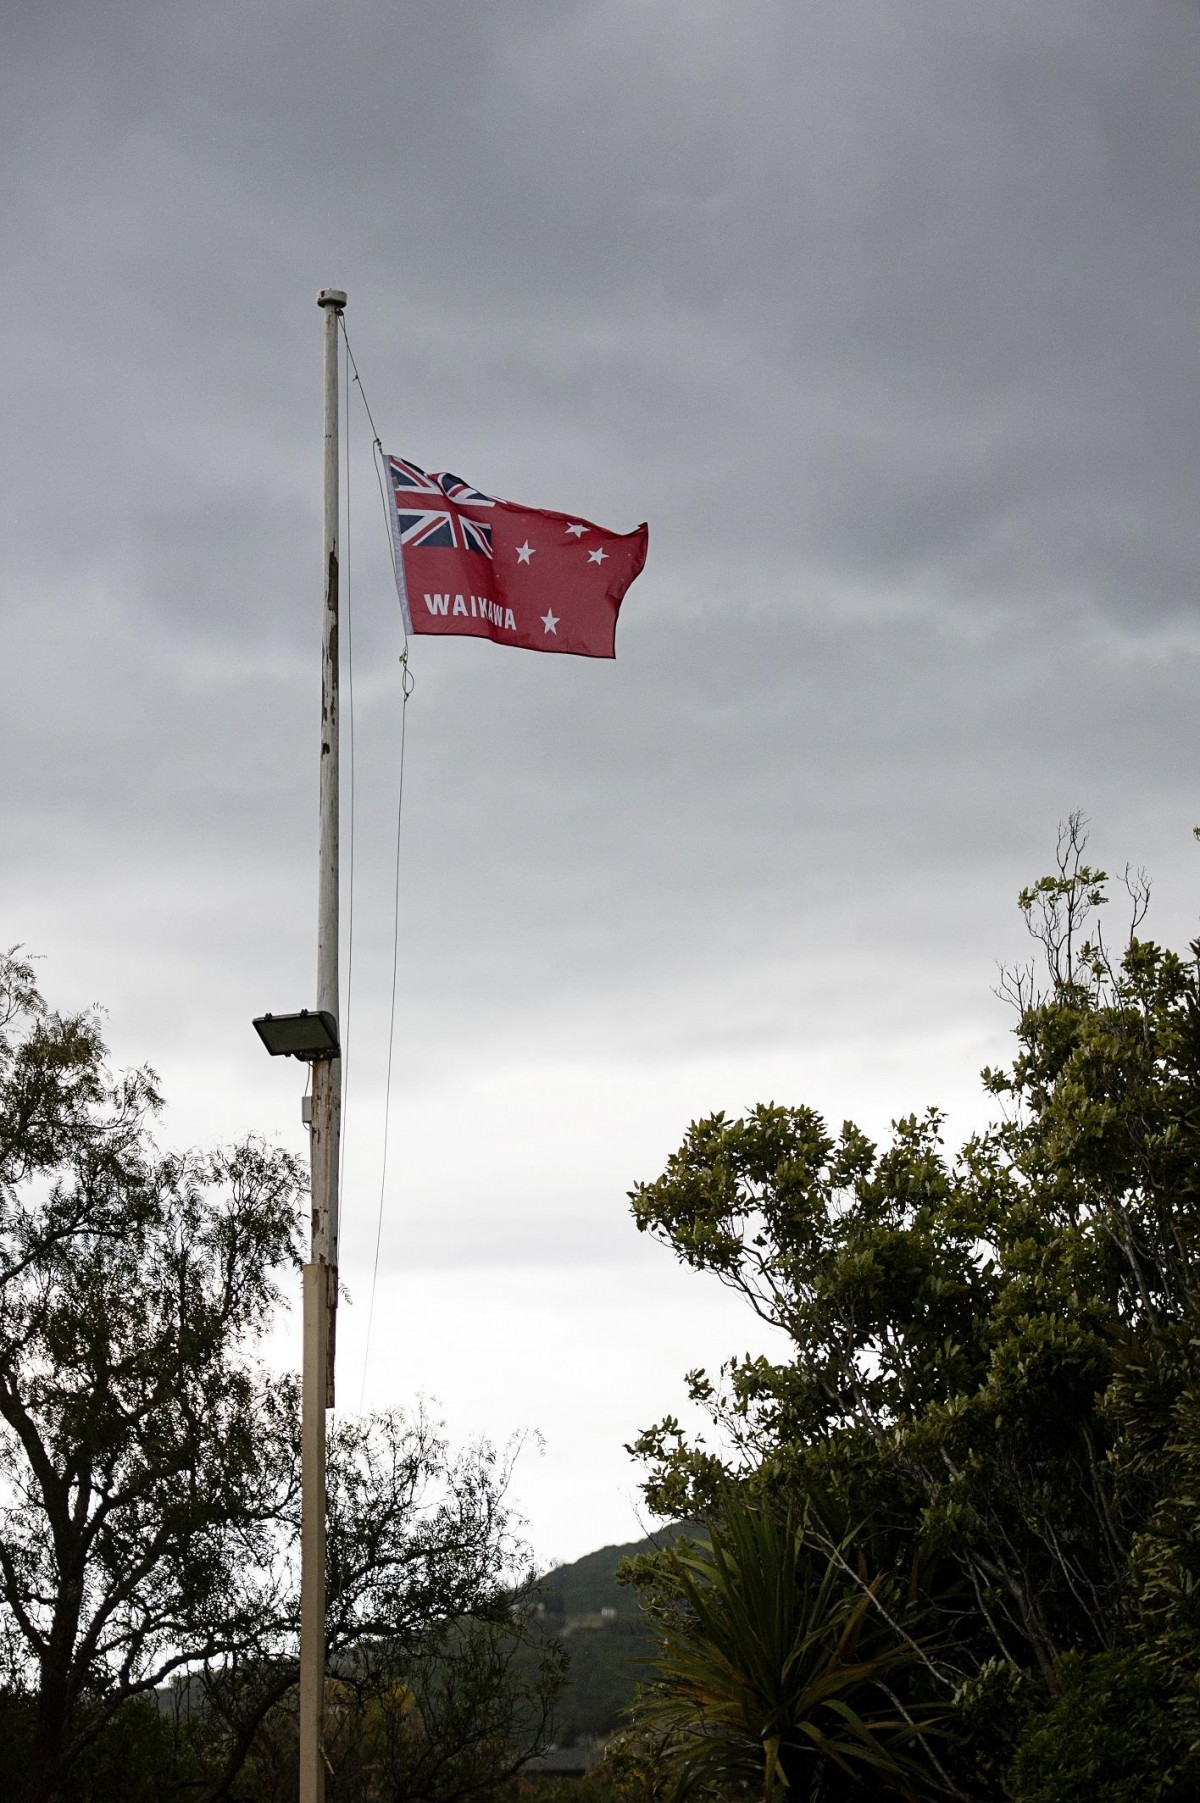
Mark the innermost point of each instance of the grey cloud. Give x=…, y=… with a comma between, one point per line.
x=916, y=285
x=883, y=315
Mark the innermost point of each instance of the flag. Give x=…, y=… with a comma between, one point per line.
x=471, y=565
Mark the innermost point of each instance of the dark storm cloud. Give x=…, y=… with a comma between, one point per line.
x=909, y=289
x=884, y=315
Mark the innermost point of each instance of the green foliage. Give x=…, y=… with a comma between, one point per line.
x=128, y=1763
x=592, y=1607
x=450, y=1719
x=603, y=1672
x=1113, y=1734
x=145, y=1456
x=137, y=1758
x=149, y=1463
x=774, y=1670
x=995, y=1354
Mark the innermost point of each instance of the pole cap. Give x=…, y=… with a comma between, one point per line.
x=332, y=297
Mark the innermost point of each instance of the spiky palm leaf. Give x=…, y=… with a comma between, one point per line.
x=771, y=1671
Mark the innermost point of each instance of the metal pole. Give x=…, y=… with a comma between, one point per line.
x=320, y=1274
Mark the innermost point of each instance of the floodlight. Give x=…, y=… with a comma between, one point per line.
x=310, y=1035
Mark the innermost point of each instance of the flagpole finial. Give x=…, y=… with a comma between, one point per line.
x=332, y=297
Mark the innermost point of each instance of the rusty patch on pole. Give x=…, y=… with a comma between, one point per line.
x=331, y=605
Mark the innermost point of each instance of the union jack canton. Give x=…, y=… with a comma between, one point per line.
x=439, y=531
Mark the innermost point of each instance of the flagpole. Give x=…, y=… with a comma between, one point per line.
x=320, y=1273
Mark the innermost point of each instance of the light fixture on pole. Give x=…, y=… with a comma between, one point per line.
x=311, y=1034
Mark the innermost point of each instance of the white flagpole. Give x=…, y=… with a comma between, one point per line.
x=320, y=1274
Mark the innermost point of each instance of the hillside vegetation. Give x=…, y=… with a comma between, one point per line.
x=600, y=1623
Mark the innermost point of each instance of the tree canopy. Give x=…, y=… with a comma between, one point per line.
x=149, y=1466
x=994, y=1365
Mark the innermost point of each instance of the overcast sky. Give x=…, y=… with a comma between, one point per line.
x=885, y=316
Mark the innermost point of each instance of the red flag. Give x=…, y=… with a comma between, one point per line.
x=470, y=565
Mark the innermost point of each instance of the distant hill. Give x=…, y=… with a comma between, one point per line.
x=590, y=1584
x=599, y=1623
x=601, y=1627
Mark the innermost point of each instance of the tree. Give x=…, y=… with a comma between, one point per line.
x=448, y=1718
x=995, y=1355
x=146, y=1460
x=773, y=1671
x=434, y=1679
x=149, y=1461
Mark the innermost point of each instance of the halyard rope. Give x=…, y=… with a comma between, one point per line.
x=345, y=1035
x=406, y=689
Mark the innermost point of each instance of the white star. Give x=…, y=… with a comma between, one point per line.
x=524, y=552
x=598, y=555
x=576, y=531
x=550, y=623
